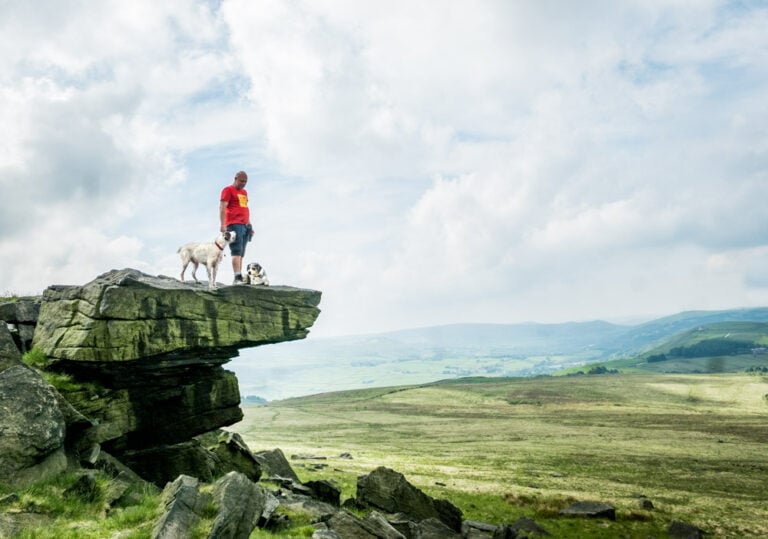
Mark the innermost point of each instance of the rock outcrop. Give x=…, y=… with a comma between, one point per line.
x=32, y=427
x=127, y=316
x=140, y=394
x=143, y=357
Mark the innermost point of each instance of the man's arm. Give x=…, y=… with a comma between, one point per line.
x=223, y=215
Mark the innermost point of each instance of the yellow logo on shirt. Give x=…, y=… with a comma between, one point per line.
x=243, y=201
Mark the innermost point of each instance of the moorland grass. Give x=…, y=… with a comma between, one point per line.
x=51, y=513
x=500, y=449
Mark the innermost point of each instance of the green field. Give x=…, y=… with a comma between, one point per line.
x=695, y=445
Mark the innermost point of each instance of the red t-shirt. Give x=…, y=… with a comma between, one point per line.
x=237, y=212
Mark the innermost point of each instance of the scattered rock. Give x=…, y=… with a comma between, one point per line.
x=389, y=491
x=345, y=524
x=325, y=491
x=242, y=506
x=352, y=504
x=528, y=525
x=472, y=529
x=590, y=510
x=304, y=456
x=300, y=503
x=346, y=455
x=433, y=528
x=645, y=503
x=275, y=465
x=683, y=530
x=183, y=507
x=296, y=487
x=381, y=527
x=233, y=455
x=404, y=524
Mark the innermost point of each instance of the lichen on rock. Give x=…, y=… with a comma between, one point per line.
x=125, y=315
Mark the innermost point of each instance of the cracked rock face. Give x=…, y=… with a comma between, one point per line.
x=147, y=353
x=127, y=315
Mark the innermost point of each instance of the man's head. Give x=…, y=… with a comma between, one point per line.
x=241, y=178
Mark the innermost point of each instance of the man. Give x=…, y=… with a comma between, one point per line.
x=235, y=216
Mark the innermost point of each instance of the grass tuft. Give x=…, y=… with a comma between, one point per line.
x=36, y=359
x=58, y=512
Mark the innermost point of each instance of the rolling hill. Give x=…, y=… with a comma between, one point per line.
x=716, y=347
x=420, y=355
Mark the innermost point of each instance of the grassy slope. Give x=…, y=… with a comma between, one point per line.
x=644, y=336
x=48, y=511
x=506, y=448
x=755, y=332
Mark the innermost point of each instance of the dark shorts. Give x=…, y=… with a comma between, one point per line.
x=237, y=247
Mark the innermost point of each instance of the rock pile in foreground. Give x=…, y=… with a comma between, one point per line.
x=395, y=508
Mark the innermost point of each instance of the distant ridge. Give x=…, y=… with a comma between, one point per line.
x=524, y=337
x=637, y=338
x=427, y=354
x=537, y=337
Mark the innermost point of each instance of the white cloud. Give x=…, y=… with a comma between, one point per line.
x=419, y=162
x=604, y=136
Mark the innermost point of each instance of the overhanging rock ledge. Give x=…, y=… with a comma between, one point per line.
x=126, y=315
x=147, y=353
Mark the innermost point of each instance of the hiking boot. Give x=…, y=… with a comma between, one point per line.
x=238, y=280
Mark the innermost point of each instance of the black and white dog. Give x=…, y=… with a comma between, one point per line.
x=209, y=254
x=255, y=274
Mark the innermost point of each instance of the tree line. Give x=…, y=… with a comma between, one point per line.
x=705, y=348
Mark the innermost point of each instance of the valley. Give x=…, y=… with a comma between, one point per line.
x=695, y=445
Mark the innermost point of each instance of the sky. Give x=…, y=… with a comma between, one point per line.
x=419, y=162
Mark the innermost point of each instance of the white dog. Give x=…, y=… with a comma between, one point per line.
x=209, y=254
x=255, y=274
